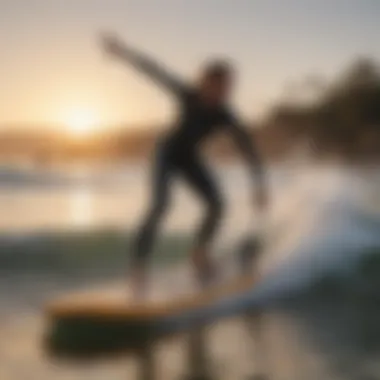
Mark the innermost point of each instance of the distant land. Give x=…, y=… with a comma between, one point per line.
x=42, y=145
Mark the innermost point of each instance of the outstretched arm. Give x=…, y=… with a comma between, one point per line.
x=118, y=49
x=246, y=145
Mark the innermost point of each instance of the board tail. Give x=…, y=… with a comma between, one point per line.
x=232, y=306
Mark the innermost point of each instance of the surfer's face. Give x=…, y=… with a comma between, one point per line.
x=216, y=84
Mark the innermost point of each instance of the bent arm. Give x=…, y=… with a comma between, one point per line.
x=246, y=144
x=144, y=64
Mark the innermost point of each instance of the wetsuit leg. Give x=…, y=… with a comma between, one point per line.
x=162, y=174
x=198, y=176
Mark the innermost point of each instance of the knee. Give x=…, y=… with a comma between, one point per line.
x=159, y=209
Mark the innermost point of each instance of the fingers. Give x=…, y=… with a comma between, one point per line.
x=105, y=38
x=111, y=43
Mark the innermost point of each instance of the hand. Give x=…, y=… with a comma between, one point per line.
x=112, y=44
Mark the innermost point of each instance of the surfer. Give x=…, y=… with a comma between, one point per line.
x=203, y=110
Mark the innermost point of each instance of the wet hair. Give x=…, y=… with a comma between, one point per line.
x=217, y=69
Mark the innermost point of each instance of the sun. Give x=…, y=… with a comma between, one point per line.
x=81, y=121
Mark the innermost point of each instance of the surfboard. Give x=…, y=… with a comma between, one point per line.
x=91, y=324
x=98, y=323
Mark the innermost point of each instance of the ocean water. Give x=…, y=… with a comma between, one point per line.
x=63, y=230
x=70, y=198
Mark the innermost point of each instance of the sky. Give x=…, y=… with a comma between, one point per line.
x=53, y=72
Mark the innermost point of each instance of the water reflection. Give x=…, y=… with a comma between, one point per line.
x=81, y=208
x=53, y=200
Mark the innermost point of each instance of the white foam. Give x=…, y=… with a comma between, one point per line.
x=320, y=225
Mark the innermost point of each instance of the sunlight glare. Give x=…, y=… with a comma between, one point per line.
x=81, y=121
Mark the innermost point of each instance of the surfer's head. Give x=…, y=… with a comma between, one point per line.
x=216, y=81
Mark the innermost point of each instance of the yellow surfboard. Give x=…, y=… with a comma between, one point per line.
x=91, y=324
x=94, y=305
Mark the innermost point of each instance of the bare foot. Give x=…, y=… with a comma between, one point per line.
x=205, y=270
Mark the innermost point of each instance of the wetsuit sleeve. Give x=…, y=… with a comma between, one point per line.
x=245, y=142
x=146, y=65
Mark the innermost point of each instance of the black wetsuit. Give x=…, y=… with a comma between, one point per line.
x=177, y=154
